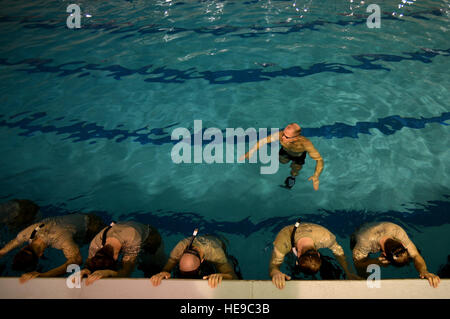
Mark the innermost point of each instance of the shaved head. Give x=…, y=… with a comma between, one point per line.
x=189, y=262
x=294, y=128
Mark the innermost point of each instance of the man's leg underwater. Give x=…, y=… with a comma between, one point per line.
x=295, y=169
x=289, y=181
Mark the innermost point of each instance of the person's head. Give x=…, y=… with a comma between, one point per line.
x=291, y=133
x=395, y=252
x=25, y=260
x=103, y=259
x=309, y=262
x=27, y=212
x=189, y=264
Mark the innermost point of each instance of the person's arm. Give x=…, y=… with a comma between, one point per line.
x=10, y=246
x=315, y=155
x=278, y=277
x=274, y=267
x=338, y=253
x=73, y=256
x=225, y=271
x=341, y=259
x=175, y=256
x=19, y=240
x=421, y=268
x=170, y=265
x=419, y=262
x=128, y=264
x=261, y=142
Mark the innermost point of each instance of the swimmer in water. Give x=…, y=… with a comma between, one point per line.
x=395, y=246
x=137, y=243
x=294, y=147
x=66, y=233
x=304, y=240
x=192, y=254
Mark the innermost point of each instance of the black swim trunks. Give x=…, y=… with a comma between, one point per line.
x=300, y=160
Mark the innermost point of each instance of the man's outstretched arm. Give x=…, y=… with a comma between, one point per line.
x=261, y=142
x=10, y=246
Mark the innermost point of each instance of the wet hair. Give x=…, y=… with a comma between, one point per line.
x=25, y=260
x=396, y=253
x=103, y=259
x=309, y=262
x=330, y=269
x=27, y=213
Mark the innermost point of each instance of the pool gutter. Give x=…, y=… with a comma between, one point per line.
x=126, y=288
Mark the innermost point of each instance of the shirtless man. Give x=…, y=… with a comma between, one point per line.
x=190, y=253
x=293, y=148
x=65, y=233
x=304, y=240
x=395, y=246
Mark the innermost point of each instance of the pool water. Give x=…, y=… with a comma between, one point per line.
x=87, y=114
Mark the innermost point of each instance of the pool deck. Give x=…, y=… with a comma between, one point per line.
x=56, y=288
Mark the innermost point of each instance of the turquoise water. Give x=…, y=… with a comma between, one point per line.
x=86, y=115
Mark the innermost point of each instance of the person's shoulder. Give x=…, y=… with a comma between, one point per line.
x=388, y=226
x=284, y=233
x=186, y=240
x=304, y=140
x=307, y=144
x=286, y=229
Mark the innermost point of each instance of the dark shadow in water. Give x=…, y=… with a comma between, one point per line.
x=129, y=29
x=444, y=270
x=165, y=74
x=84, y=131
x=341, y=223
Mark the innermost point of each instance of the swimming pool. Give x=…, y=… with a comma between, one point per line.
x=86, y=115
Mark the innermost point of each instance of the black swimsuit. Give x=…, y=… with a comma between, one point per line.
x=300, y=160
